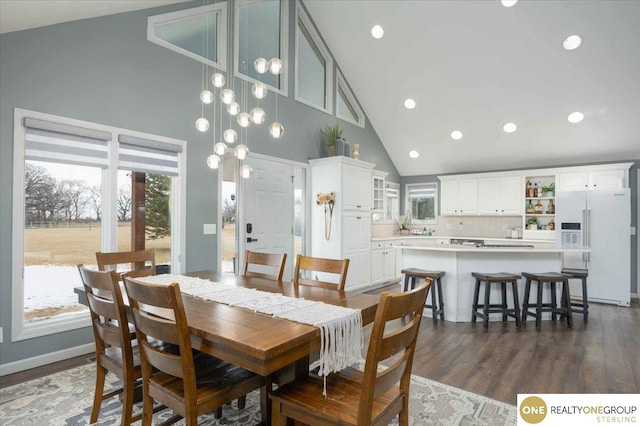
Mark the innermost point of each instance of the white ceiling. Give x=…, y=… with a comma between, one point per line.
x=470, y=65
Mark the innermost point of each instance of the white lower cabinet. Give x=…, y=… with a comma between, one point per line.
x=383, y=262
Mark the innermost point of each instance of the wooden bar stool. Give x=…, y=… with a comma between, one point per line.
x=488, y=308
x=577, y=305
x=565, y=305
x=412, y=276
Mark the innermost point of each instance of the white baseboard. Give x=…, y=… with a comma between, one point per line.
x=40, y=360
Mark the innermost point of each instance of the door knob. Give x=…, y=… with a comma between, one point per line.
x=250, y=240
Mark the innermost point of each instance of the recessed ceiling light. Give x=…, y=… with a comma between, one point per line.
x=509, y=3
x=456, y=135
x=509, y=127
x=572, y=42
x=414, y=154
x=377, y=31
x=575, y=117
x=409, y=104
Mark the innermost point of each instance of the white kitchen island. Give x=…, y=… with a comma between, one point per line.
x=459, y=261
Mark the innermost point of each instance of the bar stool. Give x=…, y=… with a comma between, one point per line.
x=577, y=305
x=565, y=305
x=410, y=277
x=488, y=308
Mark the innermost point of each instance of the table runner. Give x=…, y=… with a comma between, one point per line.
x=341, y=337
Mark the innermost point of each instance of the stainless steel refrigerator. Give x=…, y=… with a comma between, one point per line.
x=601, y=220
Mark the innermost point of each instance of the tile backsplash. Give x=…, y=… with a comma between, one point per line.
x=461, y=226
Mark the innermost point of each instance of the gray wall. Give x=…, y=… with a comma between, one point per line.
x=104, y=70
x=633, y=184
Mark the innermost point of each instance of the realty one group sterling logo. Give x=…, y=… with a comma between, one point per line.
x=583, y=409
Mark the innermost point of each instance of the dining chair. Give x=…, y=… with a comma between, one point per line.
x=375, y=396
x=115, y=348
x=139, y=259
x=264, y=259
x=189, y=384
x=319, y=264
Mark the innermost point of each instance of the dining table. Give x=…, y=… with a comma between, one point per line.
x=261, y=343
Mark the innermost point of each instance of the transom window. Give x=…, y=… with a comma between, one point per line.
x=347, y=107
x=422, y=200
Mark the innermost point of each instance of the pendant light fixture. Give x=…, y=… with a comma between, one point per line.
x=233, y=108
x=257, y=115
x=259, y=90
x=275, y=66
x=214, y=161
x=261, y=65
x=202, y=124
x=230, y=136
x=217, y=80
x=227, y=96
x=246, y=171
x=241, y=151
x=243, y=119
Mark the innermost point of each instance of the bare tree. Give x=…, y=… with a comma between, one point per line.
x=94, y=200
x=124, y=203
x=38, y=184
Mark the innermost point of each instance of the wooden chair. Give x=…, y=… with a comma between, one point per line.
x=114, y=349
x=318, y=264
x=360, y=398
x=141, y=259
x=189, y=385
x=266, y=259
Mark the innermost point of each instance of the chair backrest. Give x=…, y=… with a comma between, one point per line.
x=393, y=338
x=108, y=314
x=140, y=259
x=158, y=314
x=318, y=264
x=265, y=259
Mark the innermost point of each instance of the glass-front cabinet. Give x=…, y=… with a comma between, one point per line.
x=378, y=201
x=539, y=207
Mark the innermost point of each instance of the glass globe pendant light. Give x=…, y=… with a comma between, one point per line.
x=276, y=130
x=241, y=151
x=206, y=97
x=233, y=108
x=261, y=65
x=259, y=90
x=246, y=171
x=275, y=66
x=202, y=124
x=217, y=80
x=227, y=96
x=243, y=119
x=257, y=115
x=220, y=148
x=214, y=161
x=230, y=136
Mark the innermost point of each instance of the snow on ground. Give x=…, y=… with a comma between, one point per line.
x=50, y=286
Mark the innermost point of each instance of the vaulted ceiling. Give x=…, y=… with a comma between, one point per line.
x=470, y=66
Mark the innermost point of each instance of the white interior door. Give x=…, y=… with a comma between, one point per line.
x=266, y=223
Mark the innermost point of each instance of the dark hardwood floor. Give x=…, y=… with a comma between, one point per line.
x=602, y=356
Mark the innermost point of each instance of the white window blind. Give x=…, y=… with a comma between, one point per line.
x=421, y=191
x=148, y=156
x=393, y=190
x=64, y=143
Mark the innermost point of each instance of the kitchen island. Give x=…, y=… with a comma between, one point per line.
x=459, y=261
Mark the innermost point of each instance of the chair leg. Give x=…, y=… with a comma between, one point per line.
x=101, y=372
x=440, y=298
x=276, y=418
x=567, y=295
x=403, y=416
x=525, y=301
x=127, y=403
x=539, y=306
x=474, y=307
x=554, y=301
x=265, y=403
x=434, y=306
x=406, y=283
x=242, y=402
x=503, y=289
x=147, y=406
x=516, y=303
x=585, y=303
x=487, y=292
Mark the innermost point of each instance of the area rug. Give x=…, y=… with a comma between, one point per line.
x=65, y=398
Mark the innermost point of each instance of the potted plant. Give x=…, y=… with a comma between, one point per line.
x=331, y=134
x=548, y=190
x=532, y=223
x=403, y=224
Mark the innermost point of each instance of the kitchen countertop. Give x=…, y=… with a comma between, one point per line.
x=462, y=248
x=440, y=237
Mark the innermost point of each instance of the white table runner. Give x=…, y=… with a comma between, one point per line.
x=341, y=337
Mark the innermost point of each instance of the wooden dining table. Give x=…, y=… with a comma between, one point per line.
x=258, y=342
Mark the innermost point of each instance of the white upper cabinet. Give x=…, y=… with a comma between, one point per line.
x=500, y=195
x=596, y=179
x=357, y=187
x=459, y=197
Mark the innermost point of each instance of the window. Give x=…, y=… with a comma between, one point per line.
x=314, y=66
x=347, y=107
x=392, y=208
x=422, y=201
x=199, y=33
x=72, y=201
x=261, y=32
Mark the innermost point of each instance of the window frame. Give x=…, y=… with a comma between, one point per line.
x=407, y=201
x=350, y=98
x=221, y=30
x=21, y=330
x=396, y=187
x=303, y=17
x=284, y=46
